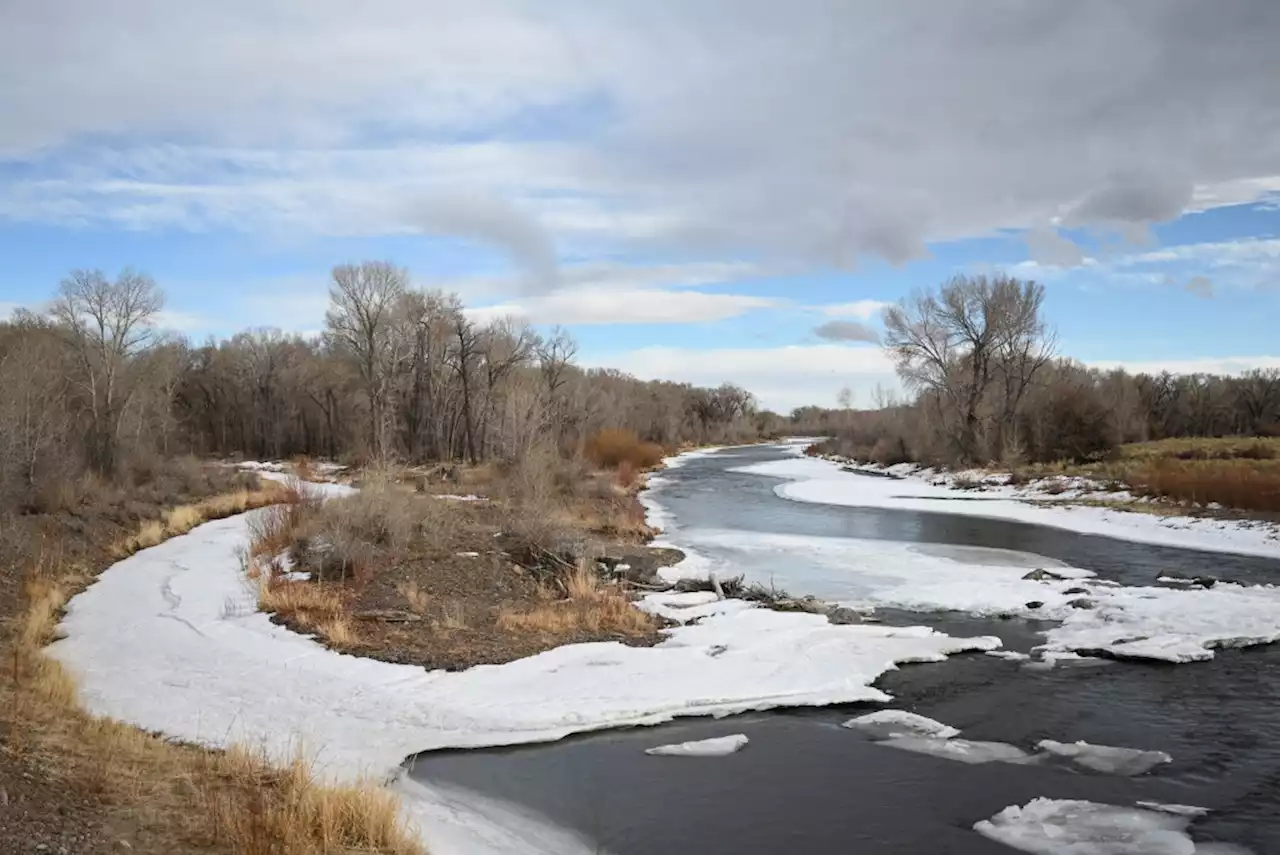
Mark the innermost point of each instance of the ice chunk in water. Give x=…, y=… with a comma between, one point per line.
x=883, y=724
x=1058, y=827
x=715, y=747
x=964, y=750
x=1180, y=810
x=1105, y=758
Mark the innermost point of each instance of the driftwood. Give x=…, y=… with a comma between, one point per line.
x=388, y=616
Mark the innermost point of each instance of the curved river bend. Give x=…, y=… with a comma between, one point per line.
x=808, y=787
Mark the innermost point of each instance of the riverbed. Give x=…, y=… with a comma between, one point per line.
x=806, y=785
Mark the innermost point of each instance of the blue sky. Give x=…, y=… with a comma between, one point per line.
x=708, y=191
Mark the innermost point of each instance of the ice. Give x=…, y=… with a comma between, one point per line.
x=1011, y=655
x=824, y=482
x=717, y=746
x=169, y=640
x=462, y=822
x=1105, y=758
x=1180, y=810
x=1147, y=622
x=964, y=750
x=1171, y=624
x=1058, y=827
x=883, y=724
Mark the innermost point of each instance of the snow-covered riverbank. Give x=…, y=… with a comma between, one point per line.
x=170, y=640
x=826, y=482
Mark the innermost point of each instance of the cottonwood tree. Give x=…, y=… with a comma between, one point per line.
x=106, y=325
x=954, y=345
x=362, y=299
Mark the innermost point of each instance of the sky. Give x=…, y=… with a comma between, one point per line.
x=698, y=190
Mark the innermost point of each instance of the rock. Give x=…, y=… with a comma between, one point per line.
x=1076, y=591
x=1035, y=604
x=1205, y=581
x=842, y=615
x=1042, y=575
x=1083, y=603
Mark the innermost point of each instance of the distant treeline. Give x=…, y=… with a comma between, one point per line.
x=988, y=386
x=398, y=374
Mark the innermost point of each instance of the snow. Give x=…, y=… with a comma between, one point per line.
x=685, y=608
x=718, y=746
x=169, y=640
x=883, y=724
x=1065, y=827
x=461, y=822
x=964, y=750
x=825, y=482
x=1011, y=655
x=453, y=497
x=1142, y=622
x=1105, y=758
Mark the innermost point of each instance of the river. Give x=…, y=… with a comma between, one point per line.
x=806, y=786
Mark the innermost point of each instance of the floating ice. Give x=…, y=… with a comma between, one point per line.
x=1058, y=827
x=717, y=746
x=883, y=724
x=1011, y=655
x=1105, y=758
x=1180, y=810
x=964, y=750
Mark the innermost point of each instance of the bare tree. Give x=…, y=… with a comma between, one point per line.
x=360, y=317
x=954, y=343
x=106, y=325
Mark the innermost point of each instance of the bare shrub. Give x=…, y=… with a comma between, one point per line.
x=609, y=448
x=417, y=598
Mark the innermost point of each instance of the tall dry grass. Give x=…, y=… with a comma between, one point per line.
x=1241, y=484
x=235, y=800
x=580, y=601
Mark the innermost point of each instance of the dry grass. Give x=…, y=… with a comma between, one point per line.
x=1204, y=448
x=239, y=800
x=417, y=598
x=589, y=605
x=1249, y=485
x=182, y=519
x=453, y=617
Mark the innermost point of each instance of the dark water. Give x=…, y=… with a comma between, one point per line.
x=805, y=786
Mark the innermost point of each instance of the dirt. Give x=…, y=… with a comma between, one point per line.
x=476, y=567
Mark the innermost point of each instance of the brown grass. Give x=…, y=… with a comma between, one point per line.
x=1247, y=485
x=611, y=448
x=182, y=519
x=414, y=596
x=588, y=605
x=237, y=800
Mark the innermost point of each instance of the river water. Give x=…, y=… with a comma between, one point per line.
x=808, y=787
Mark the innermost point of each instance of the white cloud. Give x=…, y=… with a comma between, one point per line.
x=626, y=305
x=862, y=309
x=781, y=378
x=1191, y=365
x=817, y=131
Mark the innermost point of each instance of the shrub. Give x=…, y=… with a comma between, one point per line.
x=609, y=448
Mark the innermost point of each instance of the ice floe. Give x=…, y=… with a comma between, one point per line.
x=717, y=746
x=964, y=750
x=1180, y=810
x=883, y=724
x=1105, y=758
x=1067, y=827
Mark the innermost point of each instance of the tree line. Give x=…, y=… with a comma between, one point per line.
x=398, y=374
x=981, y=363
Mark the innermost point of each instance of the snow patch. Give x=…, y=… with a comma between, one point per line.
x=1179, y=810
x=718, y=746
x=1065, y=827
x=884, y=724
x=452, y=497
x=1105, y=758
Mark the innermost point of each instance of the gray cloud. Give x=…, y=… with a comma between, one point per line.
x=496, y=222
x=1201, y=286
x=819, y=132
x=846, y=331
x=1047, y=246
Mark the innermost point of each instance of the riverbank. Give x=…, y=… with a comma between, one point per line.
x=1072, y=504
